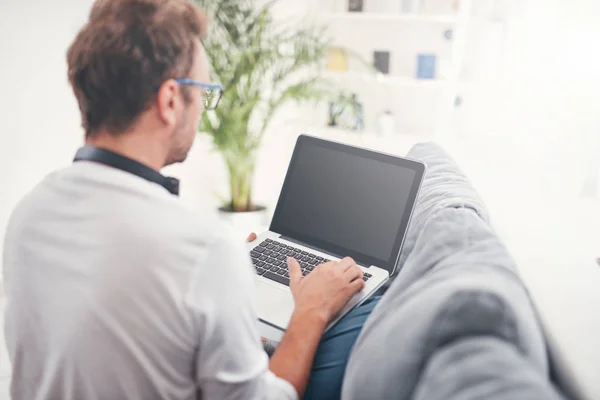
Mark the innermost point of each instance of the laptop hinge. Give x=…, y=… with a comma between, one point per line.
x=289, y=239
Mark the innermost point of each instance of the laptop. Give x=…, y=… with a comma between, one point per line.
x=336, y=201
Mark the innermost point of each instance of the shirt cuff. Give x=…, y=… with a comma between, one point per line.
x=283, y=386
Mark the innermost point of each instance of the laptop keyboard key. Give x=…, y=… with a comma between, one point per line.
x=274, y=269
x=281, y=272
x=259, y=249
x=277, y=278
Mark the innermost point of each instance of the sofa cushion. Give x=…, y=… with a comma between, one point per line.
x=457, y=282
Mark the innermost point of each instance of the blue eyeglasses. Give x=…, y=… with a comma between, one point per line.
x=212, y=92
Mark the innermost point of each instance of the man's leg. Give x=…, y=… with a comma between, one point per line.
x=333, y=353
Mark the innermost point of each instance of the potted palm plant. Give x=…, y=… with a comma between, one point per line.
x=262, y=64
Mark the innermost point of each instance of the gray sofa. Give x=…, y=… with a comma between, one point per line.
x=456, y=322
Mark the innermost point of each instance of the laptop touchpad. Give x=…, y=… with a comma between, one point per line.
x=274, y=304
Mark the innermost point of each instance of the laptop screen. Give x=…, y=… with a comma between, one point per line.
x=347, y=201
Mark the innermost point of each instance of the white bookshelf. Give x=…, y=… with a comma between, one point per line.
x=469, y=66
x=418, y=105
x=384, y=80
x=392, y=17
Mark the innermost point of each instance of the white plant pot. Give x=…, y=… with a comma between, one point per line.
x=246, y=222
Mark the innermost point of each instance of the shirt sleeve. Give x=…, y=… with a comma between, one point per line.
x=231, y=363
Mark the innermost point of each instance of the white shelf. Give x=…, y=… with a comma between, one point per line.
x=399, y=143
x=381, y=79
x=393, y=17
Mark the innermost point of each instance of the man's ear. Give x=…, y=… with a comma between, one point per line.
x=167, y=101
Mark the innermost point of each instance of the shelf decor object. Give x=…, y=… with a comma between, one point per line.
x=410, y=6
x=386, y=124
x=336, y=60
x=426, y=66
x=356, y=117
x=456, y=5
x=346, y=112
x=448, y=34
x=381, y=61
x=355, y=5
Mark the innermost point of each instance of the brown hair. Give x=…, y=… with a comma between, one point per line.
x=126, y=50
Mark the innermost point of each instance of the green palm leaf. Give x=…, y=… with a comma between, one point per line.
x=262, y=65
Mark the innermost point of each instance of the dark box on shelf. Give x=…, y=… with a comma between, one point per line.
x=381, y=61
x=355, y=5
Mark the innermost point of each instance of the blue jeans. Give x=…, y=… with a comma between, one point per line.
x=327, y=374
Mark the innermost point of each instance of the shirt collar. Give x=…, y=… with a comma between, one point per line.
x=118, y=161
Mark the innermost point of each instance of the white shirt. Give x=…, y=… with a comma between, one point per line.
x=116, y=291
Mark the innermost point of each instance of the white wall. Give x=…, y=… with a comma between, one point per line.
x=554, y=80
x=39, y=128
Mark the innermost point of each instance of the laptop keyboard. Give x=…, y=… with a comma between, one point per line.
x=269, y=260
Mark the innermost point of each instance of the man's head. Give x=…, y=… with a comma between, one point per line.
x=123, y=65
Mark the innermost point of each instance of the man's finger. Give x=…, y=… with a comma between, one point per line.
x=354, y=272
x=346, y=263
x=356, y=286
x=295, y=271
x=251, y=237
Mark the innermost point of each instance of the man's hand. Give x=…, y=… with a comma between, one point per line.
x=326, y=289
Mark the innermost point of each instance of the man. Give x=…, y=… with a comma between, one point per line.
x=115, y=290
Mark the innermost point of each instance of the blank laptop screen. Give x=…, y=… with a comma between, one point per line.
x=346, y=200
